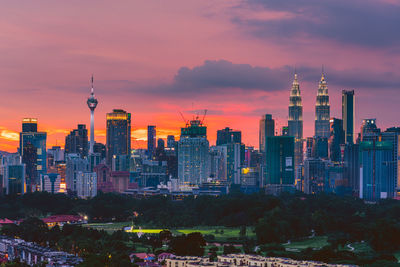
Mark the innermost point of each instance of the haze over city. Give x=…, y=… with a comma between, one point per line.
x=155, y=58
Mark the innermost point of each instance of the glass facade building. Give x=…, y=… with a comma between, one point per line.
x=348, y=115
x=118, y=134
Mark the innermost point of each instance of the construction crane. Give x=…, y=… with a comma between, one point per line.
x=204, y=116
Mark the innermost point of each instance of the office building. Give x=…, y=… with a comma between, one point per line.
x=171, y=141
x=351, y=162
x=295, y=121
x=92, y=104
x=377, y=178
x=32, y=147
x=118, y=134
x=314, y=175
x=86, y=184
x=279, y=170
x=267, y=128
x=100, y=149
x=227, y=136
x=151, y=141
x=193, y=154
x=336, y=139
x=322, y=110
x=50, y=182
x=29, y=125
x=218, y=162
x=348, y=115
x=77, y=141
x=369, y=130
x=74, y=165
x=12, y=175
x=392, y=135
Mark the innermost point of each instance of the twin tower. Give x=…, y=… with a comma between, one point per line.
x=295, y=120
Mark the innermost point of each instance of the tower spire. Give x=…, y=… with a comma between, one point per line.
x=92, y=81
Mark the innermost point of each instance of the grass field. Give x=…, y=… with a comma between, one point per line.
x=314, y=242
x=221, y=234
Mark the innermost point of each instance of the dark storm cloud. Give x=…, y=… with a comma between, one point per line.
x=222, y=78
x=360, y=22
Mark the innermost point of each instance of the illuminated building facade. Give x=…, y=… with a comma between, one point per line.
x=118, y=134
x=295, y=121
x=32, y=147
x=51, y=183
x=193, y=154
x=322, y=110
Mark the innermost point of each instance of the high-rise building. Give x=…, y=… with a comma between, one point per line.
x=151, y=140
x=118, y=134
x=322, y=110
x=336, y=139
x=77, y=141
x=50, y=183
x=279, y=162
x=348, y=115
x=12, y=175
x=392, y=135
x=86, y=184
x=92, y=104
x=29, y=125
x=193, y=154
x=295, y=121
x=227, y=136
x=32, y=146
x=267, y=128
x=171, y=141
x=377, y=178
x=369, y=130
x=100, y=149
x=314, y=175
x=74, y=164
x=351, y=162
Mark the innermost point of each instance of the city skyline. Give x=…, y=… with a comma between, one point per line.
x=149, y=63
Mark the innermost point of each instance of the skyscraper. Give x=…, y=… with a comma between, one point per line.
x=336, y=139
x=32, y=147
x=151, y=140
x=227, y=136
x=77, y=141
x=322, y=110
x=279, y=162
x=377, y=178
x=92, y=104
x=193, y=154
x=295, y=121
x=348, y=115
x=29, y=125
x=267, y=128
x=118, y=133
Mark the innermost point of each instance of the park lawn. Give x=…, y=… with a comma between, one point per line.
x=316, y=242
x=220, y=233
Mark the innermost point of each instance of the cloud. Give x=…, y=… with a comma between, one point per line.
x=364, y=23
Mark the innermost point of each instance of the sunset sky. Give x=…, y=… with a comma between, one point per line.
x=155, y=58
